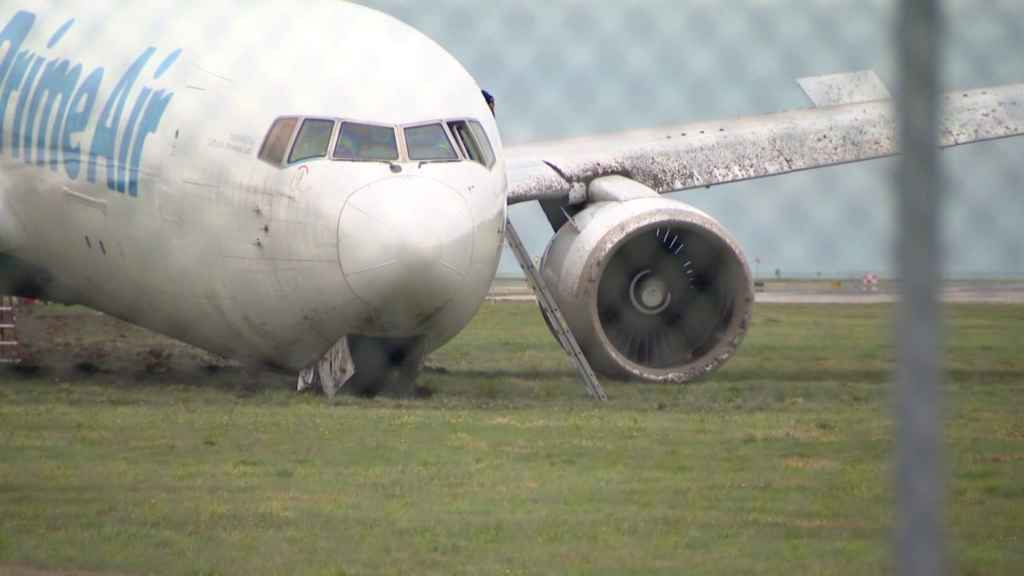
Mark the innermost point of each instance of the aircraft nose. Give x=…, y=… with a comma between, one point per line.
x=405, y=243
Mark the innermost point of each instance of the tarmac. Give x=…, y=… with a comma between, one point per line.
x=983, y=294
x=948, y=296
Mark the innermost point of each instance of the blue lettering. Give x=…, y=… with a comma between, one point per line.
x=55, y=105
x=150, y=122
x=13, y=82
x=126, y=139
x=105, y=138
x=12, y=36
x=166, y=64
x=78, y=121
x=60, y=33
x=57, y=84
x=19, y=110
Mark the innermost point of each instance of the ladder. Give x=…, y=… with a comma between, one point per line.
x=552, y=313
x=10, y=349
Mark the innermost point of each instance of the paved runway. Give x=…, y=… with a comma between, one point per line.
x=951, y=296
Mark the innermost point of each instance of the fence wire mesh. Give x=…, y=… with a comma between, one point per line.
x=562, y=69
x=923, y=223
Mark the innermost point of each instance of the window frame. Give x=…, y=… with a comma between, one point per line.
x=340, y=124
x=288, y=146
x=451, y=140
x=487, y=144
x=461, y=145
x=298, y=130
x=486, y=160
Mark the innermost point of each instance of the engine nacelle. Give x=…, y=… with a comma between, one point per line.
x=652, y=288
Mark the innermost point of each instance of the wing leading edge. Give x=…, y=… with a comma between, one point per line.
x=703, y=154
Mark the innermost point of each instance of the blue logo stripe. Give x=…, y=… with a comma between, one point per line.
x=55, y=105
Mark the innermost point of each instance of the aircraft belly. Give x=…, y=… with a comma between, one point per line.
x=280, y=266
x=72, y=238
x=461, y=309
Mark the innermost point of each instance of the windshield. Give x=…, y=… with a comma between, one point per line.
x=485, y=143
x=366, y=142
x=276, y=144
x=313, y=140
x=429, y=142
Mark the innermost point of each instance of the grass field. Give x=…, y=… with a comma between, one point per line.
x=777, y=464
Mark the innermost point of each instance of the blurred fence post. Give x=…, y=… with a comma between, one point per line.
x=920, y=484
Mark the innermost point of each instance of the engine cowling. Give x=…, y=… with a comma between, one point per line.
x=653, y=289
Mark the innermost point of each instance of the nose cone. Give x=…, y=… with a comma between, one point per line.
x=405, y=244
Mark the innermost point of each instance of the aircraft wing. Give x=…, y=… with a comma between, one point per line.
x=853, y=120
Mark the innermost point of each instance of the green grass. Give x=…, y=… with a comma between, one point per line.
x=777, y=464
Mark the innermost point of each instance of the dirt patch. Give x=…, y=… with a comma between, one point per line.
x=73, y=345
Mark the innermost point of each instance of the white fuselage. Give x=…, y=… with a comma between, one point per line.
x=130, y=170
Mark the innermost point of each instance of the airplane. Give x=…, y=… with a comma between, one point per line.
x=318, y=188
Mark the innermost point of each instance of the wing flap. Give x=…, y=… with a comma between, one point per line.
x=846, y=88
x=704, y=154
x=534, y=179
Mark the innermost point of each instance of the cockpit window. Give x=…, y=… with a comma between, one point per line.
x=276, y=145
x=297, y=139
x=485, y=143
x=313, y=140
x=460, y=129
x=366, y=142
x=429, y=142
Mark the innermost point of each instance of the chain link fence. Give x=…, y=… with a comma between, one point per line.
x=566, y=68
x=563, y=69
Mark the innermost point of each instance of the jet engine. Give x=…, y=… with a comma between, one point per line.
x=652, y=289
